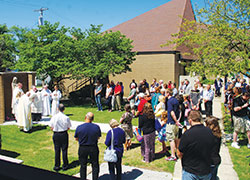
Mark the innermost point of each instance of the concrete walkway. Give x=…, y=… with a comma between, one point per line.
x=226, y=170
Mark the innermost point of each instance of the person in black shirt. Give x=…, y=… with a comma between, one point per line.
x=195, y=149
x=147, y=124
x=213, y=124
x=240, y=118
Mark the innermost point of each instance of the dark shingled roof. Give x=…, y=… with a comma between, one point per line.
x=153, y=28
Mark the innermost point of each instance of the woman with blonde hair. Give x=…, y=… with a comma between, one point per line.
x=213, y=124
x=147, y=124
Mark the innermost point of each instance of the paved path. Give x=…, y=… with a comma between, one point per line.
x=226, y=170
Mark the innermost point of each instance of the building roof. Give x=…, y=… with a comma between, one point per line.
x=153, y=28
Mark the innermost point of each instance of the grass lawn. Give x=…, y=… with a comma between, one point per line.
x=36, y=149
x=238, y=156
x=77, y=113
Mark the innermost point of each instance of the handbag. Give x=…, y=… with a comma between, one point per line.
x=110, y=154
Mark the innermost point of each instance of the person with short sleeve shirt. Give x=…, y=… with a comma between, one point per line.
x=172, y=128
x=87, y=135
x=195, y=149
x=60, y=124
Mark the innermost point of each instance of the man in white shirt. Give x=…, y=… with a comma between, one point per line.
x=187, y=88
x=36, y=105
x=60, y=124
x=208, y=96
x=56, y=96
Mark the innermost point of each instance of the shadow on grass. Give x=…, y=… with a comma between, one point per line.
x=135, y=145
x=69, y=114
x=9, y=153
x=36, y=128
x=135, y=173
x=74, y=164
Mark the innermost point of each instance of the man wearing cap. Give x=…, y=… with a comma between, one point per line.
x=60, y=124
x=87, y=135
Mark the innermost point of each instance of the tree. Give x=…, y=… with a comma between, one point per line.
x=7, y=49
x=219, y=40
x=97, y=55
x=46, y=50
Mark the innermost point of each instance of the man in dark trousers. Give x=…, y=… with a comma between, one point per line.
x=208, y=96
x=87, y=135
x=60, y=124
x=195, y=149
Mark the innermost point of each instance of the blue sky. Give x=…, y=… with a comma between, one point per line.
x=76, y=13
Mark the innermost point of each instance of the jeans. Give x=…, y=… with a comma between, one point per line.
x=214, y=170
x=93, y=153
x=108, y=102
x=61, y=141
x=98, y=102
x=189, y=176
x=118, y=167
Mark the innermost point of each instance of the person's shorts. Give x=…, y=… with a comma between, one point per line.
x=172, y=131
x=241, y=124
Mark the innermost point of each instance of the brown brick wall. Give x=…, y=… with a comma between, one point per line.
x=159, y=66
x=26, y=78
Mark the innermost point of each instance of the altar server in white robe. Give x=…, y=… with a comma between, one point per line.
x=16, y=95
x=46, y=98
x=24, y=111
x=56, y=95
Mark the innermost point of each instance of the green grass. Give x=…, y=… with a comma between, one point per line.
x=37, y=150
x=77, y=113
x=238, y=156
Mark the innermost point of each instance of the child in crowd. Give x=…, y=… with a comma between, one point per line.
x=126, y=125
x=187, y=108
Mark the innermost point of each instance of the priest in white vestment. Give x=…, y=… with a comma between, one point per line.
x=46, y=98
x=36, y=105
x=24, y=112
x=56, y=95
x=16, y=95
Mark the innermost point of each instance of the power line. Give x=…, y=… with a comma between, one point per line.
x=19, y=4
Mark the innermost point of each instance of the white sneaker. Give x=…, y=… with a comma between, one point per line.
x=235, y=145
x=248, y=146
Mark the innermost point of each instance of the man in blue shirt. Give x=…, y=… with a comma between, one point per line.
x=172, y=128
x=87, y=135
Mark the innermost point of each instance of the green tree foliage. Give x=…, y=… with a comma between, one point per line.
x=219, y=40
x=101, y=54
x=72, y=53
x=45, y=50
x=7, y=49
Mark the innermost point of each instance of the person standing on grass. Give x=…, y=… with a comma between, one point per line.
x=195, y=149
x=240, y=118
x=213, y=124
x=108, y=97
x=126, y=125
x=60, y=124
x=87, y=135
x=117, y=93
x=118, y=141
x=172, y=128
x=147, y=124
x=98, y=90
x=46, y=98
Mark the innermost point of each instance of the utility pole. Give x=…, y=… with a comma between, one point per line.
x=40, y=18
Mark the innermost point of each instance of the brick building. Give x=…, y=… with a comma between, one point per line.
x=148, y=32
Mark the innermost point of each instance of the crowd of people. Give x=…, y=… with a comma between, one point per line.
x=164, y=113
x=32, y=105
